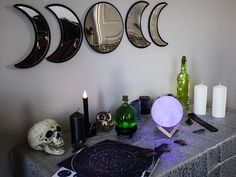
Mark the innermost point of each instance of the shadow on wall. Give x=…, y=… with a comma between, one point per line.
x=174, y=73
x=117, y=88
x=12, y=132
x=101, y=103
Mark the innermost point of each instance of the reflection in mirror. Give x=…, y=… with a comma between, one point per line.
x=133, y=24
x=42, y=36
x=153, y=25
x=71, y=33
x=103, y=27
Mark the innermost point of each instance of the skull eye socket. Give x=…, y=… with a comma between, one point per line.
x=49, y=134
x=59, y=129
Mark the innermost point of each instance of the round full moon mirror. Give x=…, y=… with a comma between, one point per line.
x=103, y=27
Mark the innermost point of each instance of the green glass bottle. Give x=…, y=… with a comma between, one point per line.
x=125, y=122
x=183, y=83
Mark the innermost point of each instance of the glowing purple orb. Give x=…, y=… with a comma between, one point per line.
x=167, y=111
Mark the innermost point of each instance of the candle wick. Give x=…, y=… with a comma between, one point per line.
x=78, y=109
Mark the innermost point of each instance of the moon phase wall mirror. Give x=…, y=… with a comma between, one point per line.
x=103, y=27
x=167, y=113
x=71, y=33
x=133, y=25
x=42, y=36
x=153, y=25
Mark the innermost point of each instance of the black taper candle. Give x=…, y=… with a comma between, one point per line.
x=86, y=113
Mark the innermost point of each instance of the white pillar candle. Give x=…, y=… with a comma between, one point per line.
x=200, y=99
x=219, y=101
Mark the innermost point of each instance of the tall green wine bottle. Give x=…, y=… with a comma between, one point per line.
x=183, y=81
x=125, y=122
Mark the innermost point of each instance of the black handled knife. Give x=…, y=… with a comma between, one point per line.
x=202, y=122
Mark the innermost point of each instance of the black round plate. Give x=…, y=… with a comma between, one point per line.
x=111, y=159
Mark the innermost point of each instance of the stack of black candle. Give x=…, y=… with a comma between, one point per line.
x=79, y=123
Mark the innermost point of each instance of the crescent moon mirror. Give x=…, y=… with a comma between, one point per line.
x=71, y=33
x=42, y=36
x=103, y=27
x=133, y=25
x=153, y=25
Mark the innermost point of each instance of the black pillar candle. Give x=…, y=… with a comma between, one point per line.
x=145, y=104
x=77, y=127
x=86, y=113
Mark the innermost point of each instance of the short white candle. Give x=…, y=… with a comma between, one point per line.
x=200, y=99
x=219, y=101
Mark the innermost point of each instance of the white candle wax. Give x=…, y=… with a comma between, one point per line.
x=200, y=99
x=219, y=101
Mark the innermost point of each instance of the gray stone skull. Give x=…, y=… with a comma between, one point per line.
x=46, y=135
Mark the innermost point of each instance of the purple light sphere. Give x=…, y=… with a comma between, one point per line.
x=167, y=111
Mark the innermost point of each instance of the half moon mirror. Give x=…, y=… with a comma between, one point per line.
x=42, y=36
x=103, y=27
x=153, y=25
x=133, y=24
x=71, y=33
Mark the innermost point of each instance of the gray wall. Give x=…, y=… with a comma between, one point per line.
x=203, y=30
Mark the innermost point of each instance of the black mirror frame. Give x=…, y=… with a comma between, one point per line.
x=35, y=56
x=149, y=28
x=85, y=34
x=126, y=21
x=63, y=56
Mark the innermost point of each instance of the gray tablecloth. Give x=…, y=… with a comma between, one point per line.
x=206, y=155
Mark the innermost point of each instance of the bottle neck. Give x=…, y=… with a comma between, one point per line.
x=125, y=99
x=183, y=65
x=183, y=68
x=125, y=102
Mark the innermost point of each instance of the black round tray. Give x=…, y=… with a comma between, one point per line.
x=110, y=159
